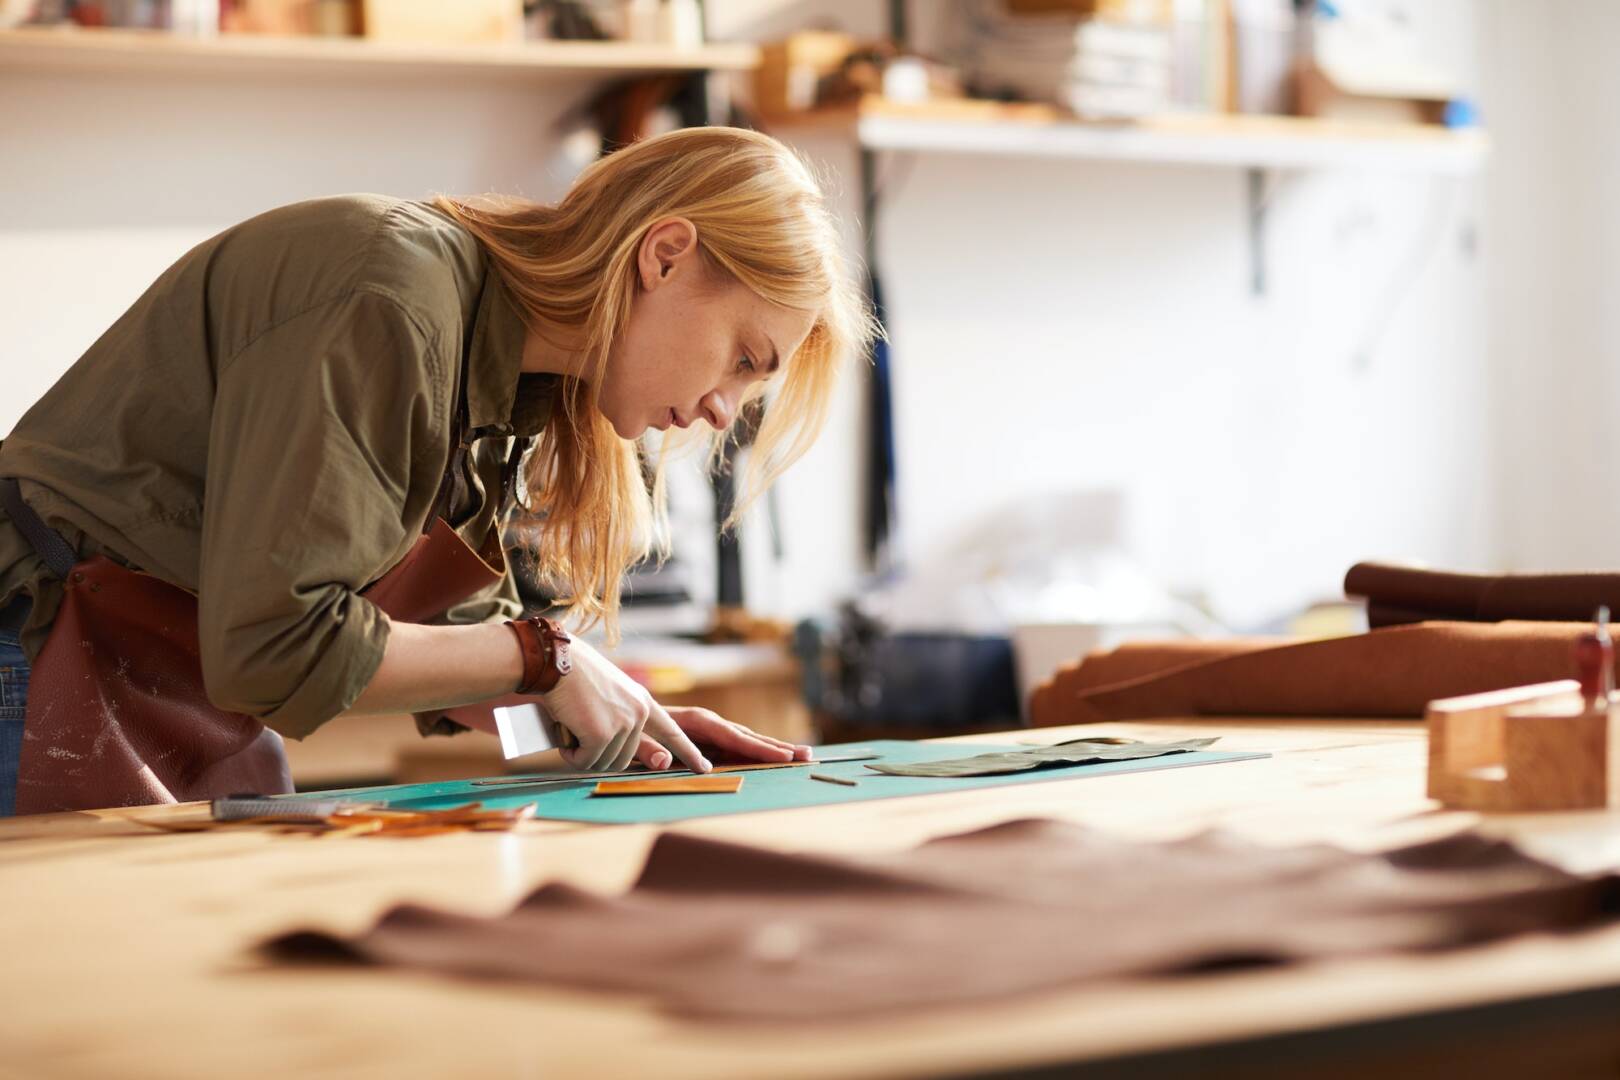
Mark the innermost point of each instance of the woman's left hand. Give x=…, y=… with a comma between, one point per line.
x=716, y=735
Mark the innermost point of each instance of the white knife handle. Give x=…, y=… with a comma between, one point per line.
x=526, y=729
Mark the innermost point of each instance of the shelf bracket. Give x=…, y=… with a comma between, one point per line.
x=1258, y=206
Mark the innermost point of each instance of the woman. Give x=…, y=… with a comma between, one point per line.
x=271, y=493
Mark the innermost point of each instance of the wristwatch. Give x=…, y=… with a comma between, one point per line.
x=544, y=644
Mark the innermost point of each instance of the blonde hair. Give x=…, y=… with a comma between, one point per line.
x=761, y=219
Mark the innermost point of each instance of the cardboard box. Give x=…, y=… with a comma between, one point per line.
x=1125, y=10
x=437, y=22
x=790, y=70
x=1331, y=93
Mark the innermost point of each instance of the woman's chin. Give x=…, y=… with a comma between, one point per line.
x=631, y=429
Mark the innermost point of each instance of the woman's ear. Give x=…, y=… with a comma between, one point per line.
x=666, y=251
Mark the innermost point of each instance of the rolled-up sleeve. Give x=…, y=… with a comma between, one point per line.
x=328, y=435
x=495, y=603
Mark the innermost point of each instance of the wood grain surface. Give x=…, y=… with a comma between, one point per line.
x=131, y=952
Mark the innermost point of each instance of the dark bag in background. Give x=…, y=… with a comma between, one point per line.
x=862, y=681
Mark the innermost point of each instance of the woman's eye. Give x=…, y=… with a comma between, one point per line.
x=745, y=364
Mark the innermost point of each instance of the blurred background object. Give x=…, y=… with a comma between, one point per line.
x=427, y=20
x=1364, y=61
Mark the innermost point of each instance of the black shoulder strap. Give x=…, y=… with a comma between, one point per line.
x=509, y=473
x=57, y=554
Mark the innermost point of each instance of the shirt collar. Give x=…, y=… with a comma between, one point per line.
x=501, y=399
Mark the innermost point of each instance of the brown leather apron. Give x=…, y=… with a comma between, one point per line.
x=117, y=713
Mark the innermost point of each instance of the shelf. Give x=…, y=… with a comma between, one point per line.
x=1281, y=142
x=76, y=50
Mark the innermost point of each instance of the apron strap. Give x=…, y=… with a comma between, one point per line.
x=461, y=442
x=458, y=455
x=55, y=552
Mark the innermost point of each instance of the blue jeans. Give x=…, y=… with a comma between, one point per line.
x=13, y=702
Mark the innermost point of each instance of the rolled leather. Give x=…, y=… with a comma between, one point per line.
x=1398, y=594
x=1392, y=672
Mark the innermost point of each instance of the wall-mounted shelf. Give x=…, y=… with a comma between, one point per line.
x=1258, y=142
x=77, y=51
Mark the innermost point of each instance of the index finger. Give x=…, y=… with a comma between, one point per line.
x=662, y=727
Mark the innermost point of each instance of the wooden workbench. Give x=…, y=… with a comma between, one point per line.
x=129, y=952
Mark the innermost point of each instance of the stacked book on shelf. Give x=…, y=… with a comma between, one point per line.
x=1121, y=59
x=1103, y=67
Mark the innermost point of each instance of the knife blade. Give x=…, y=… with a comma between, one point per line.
x=565, y=777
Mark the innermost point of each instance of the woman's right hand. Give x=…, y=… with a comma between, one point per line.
x=609, y=712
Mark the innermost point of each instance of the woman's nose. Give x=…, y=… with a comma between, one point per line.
x=716, y=410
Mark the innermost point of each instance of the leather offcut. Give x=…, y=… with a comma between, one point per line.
x=729, y=931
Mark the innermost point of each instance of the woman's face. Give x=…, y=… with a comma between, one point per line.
x=695, y=341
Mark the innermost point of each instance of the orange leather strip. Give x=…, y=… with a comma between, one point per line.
x=675, y=785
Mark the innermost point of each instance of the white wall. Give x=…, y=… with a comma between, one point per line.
x=1062, y=326
x=1550, y=87
x=1066, y=325
x=1056, y=325
x=107, y=178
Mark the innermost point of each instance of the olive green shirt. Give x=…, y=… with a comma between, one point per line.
x=267, y=428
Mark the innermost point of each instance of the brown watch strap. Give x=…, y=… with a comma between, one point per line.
x=544, y=644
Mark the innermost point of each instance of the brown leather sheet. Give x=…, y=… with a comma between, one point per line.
x=1392, y=672
x=724, y=930
x=1398, y=594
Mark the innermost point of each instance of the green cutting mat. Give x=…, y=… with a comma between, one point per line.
x=767, y=789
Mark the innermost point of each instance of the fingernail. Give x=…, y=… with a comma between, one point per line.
x=660, y=760
x=707, y=767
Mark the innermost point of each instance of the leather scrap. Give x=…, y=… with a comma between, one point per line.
x=673, y=785
x=362, y=821
x=734, y=931
x=1072, y=752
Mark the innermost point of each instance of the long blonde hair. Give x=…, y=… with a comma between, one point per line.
x=761, y=220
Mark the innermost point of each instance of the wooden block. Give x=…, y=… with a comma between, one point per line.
x=1523, y=749
x=675, y=785
x=1559, y=758
x=1466, y=748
